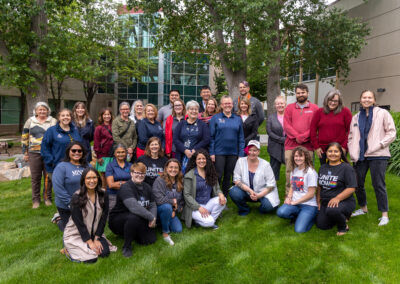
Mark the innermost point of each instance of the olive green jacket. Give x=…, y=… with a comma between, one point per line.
x=189, y=194
x=129, y=140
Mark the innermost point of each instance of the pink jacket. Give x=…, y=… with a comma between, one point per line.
x=381, y=134
x=296, y=124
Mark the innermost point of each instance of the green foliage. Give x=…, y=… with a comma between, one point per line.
x=220, y=83
x=394, y=163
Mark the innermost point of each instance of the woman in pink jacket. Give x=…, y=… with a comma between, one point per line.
x=371, y=132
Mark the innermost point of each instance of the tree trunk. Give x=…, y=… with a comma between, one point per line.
x=38, y=91
x=22, y=113
x=90, y=88
x=274, y=74
x=316, y=97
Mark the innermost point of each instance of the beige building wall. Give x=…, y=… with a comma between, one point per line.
x=378, y=65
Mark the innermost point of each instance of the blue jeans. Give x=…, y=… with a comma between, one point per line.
x=168, y=224
x=303, y=214
x=240, y=198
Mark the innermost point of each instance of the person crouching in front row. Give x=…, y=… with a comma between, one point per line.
x=134, y=215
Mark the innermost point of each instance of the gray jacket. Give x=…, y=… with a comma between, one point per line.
x=276, y=139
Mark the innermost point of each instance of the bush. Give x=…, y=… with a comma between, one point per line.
x=394, y=163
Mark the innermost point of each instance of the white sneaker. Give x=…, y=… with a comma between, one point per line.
x=169, y=240
x=383, y=221
x=358, y=212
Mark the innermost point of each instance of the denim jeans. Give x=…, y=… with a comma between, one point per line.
x=168, y=224
x=240, y=198
x=303, y=214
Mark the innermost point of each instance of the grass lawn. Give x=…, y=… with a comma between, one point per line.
x=251, y=249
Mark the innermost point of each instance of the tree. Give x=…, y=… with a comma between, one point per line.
x=244, y=36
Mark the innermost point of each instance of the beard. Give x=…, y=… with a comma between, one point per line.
x=301, y=99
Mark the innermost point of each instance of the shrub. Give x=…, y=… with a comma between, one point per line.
x=394, y=163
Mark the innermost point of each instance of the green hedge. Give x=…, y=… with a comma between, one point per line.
x=394, y=163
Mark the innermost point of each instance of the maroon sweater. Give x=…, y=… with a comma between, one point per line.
x=330, y=127
x=103, y=141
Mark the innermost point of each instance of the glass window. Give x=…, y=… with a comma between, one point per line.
x=132, y=96
x=132, y=89
x=190, y=68
x=153, y=88
x=69, y=104
x=190, y=91
x=203, y=68
x=10, y=108
x=202, y=80
x=189, y=80
x=142, y=88
x=177, y=68
x=153, y=99
x=177, y=79
x=142, y=96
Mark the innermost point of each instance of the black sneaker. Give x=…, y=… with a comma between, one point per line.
x=127, y=252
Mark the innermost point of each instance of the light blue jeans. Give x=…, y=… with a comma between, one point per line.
x=303, y=214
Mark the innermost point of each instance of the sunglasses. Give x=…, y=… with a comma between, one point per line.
x=76, y=151
x=139, y=174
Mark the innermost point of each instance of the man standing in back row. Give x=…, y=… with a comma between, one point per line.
x=256, y=106
x=296, y=124
x=166, y=111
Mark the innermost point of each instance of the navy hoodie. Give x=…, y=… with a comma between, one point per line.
x=146, y=130
x=54, y=144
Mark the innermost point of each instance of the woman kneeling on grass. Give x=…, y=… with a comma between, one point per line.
x=134, y=215
x=300, y=204
x=204, y=201
x=254, y=182
x=167, y=190
x=337, y=182
x=84, y=240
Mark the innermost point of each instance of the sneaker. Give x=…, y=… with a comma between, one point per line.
x=55, y=218
x=215, y=227
x=127, y=252
x=383, y=221
x=47, y=202
x=358, y=212
x=35, y=205
x=168, y=240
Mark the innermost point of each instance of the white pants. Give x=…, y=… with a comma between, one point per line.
x=214, y=207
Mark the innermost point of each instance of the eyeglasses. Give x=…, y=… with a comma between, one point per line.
x=139, y=173
x=178, y=105
x=76, y=151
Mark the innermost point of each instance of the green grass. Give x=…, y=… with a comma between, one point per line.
x=251, y=249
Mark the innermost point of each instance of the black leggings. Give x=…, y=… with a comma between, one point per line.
x=64, y=215
x=224, y=165
x=105, y=252
x=132, y=227
x=330, y=216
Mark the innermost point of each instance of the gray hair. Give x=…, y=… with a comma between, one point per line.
x=124, y=104
x=43, y=104
x=329, y=96
x=119, y=145
x=132, y=116
x=225, y=97
x=192, y=103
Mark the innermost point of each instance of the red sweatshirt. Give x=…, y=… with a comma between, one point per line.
x=296, y=124
x=103, y=141
x=327, y=128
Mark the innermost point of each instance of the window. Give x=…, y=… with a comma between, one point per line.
x=10, y=108
x=355, y=107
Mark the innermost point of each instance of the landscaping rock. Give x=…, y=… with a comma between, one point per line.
x=16, y=173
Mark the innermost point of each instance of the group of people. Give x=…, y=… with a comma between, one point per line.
x=159, y=166
x=298, y=130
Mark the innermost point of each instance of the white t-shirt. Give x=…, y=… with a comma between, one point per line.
x=300, y=182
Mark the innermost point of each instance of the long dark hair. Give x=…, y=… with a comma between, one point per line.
x=82, y=161
x=83, y=198
x=342, y=154
x=211, y=173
